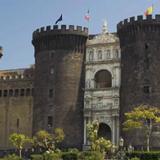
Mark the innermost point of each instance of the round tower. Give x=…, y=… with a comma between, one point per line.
x=1, y=51
x=140, y=64
x=59, y=81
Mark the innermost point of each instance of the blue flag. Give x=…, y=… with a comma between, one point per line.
x=59, y=19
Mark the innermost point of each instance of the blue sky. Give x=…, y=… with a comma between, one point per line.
x=19, y=18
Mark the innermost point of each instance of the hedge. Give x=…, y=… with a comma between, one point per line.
x=52, y=156
x=144, y=155
x=70, y=155
x=11, y=157
x=90, y=155
x=36, y=157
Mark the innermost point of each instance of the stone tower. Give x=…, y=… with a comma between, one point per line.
x=59, y=81
x=140, y=64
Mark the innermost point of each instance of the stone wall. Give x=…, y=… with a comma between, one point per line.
x=15, y=104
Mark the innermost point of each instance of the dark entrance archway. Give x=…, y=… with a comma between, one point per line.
x=104, y=131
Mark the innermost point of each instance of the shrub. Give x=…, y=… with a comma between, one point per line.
x=52, y=156
x=90, y=155
x=12, y=157
x=36, y=157
x=144, y=155
x=135, y=158
x=71, y=155
x=75, y=150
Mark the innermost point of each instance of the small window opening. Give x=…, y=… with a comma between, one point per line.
x=5, y=93
x=28, y=92
x=17, y=123
x=146, y=46
x=50, y=121
x=10, y=92
x=22, y=92
x=146, y=89
x=51, y=93
x=16, y=92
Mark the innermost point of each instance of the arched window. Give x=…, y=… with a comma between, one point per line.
x=108, y=54
x=116, y=53
x=99, y=55
x=103, y=79
x=91, y=55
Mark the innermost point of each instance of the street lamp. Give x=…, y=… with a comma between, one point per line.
x=121, y=155
x=1, y=51
x=130, y=148
x=121, y=143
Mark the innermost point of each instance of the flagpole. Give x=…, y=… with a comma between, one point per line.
x=87, y=18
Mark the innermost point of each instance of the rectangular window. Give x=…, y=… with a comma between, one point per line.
x=5, y=93
x=22, y=92
x=108, y=54
x=16, y=93
x=10, y=92
x=51, y=93
x=50, y=121
x=17, y=124
x=146, y=89
x=52, y=55
x=28, y=92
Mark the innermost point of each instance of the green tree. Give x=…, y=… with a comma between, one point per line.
x=142, y=117
x=48, y=141
x=99, y=144
x=43, y=139
x=58, y=135
x=19, y=141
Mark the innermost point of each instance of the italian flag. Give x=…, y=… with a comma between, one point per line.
x=87, y=16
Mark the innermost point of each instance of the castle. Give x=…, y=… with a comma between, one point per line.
x=78, y=78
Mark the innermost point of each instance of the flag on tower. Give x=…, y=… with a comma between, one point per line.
x=87, y=16
x=59, y=19
x=149, y=11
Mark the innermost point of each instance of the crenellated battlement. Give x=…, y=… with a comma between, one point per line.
x=63, y=29
x=140, y=20
x=60, y=37
x=15, y=77
x=16, y=74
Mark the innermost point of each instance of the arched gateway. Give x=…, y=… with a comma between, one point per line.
x=105, y=131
